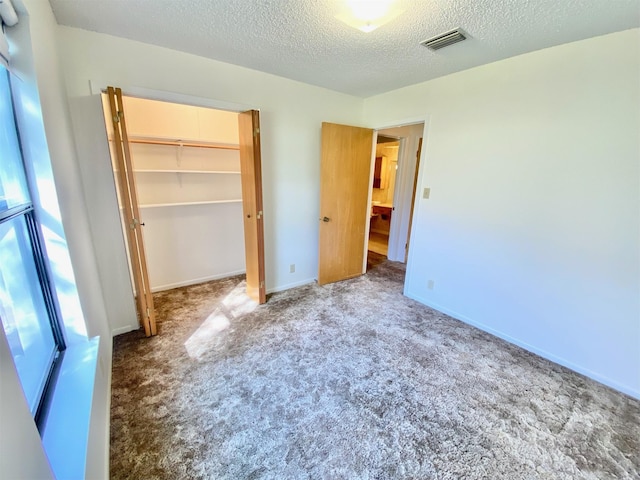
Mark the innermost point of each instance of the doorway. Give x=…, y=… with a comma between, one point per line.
x=347, y=211
x=191, y=176
x=382, y=195
x=397, y=155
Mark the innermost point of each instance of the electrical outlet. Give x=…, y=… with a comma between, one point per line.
x=426, y=192
x=430, y=284
x=292, y=268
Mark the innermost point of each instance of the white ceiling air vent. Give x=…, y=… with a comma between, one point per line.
x=444, y=39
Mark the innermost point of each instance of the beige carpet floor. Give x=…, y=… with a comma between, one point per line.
x=351, y=381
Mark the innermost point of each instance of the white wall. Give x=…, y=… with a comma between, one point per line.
x=105, y=226
x=41, y=77
x=55, y=113
x=532, y=228
x=291, y=114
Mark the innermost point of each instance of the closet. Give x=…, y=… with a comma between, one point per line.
x=186, y=167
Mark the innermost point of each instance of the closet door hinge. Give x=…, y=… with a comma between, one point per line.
x=259, y=216
x=117, y=117
x=261, y=284
x=134, y=223
x=256, y=132
x=148, y=313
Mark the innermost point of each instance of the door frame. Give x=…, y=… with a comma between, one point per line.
x=405, y=175
x=393, y=228
x=98, y=86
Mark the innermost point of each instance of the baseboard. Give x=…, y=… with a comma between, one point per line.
x=125, y=329
x=542, y=353
x=282, y=288
x=194, y=281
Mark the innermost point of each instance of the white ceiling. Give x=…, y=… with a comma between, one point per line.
x=302, y=40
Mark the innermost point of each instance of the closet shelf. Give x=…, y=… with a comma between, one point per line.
x=180, y=143
x=184, y=204
x=142, y=170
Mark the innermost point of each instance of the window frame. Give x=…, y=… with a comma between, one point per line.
x=46, y=288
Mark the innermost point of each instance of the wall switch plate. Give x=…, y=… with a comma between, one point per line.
x=426, y=192
x=292, y=268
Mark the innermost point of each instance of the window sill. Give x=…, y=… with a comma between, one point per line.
x=66, y=432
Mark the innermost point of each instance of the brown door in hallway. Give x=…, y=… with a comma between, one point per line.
x=344, y=191
x=129, y=198
x=251, y=172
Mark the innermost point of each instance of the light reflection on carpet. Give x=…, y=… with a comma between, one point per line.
x=234, y=305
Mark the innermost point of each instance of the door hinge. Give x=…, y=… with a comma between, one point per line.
x=148, y=313
x=256, y=132
x=261, y=285
x=117, y=117
x=259, y=216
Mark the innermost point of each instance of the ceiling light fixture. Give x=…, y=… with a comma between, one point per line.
x=367, y=15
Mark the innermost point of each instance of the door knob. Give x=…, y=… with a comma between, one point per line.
x=325, y=219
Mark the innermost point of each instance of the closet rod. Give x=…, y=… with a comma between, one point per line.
x=184, y=144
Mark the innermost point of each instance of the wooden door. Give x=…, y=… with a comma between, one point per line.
x=251, y=173
x=344, y=192
x=129, y=199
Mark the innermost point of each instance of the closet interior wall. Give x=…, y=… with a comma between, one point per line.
x=187, y=172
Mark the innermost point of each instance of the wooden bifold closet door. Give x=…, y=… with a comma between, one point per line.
x=128, y=196
x=251, y=172
x=126, y=169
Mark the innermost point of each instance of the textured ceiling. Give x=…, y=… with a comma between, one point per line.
x=302, y=39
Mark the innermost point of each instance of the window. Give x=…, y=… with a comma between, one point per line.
x=28, y=310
